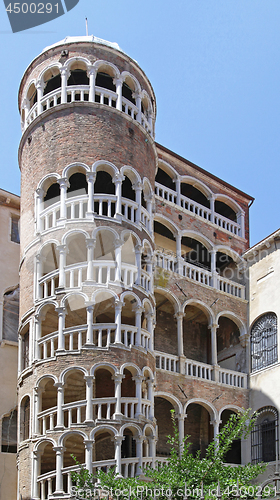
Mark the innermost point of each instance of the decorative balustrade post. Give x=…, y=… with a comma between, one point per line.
x=89, y=408
x=91, y=176
x=90, y=244
x=137, y=97
x=149, y=202
x=91, y=75
x=118, y=454
x=214, y=357
x=59, y=450
x=138, y=191
x=88, y=454
x=117, y=180
x=89, y=339
x=25, y=105
x=37, y=321
x=39, y=209
x=241, y=221
x=150, y=271
x=64, y=184
x=138, y=253
x=40, y=89
x=181, y=430
x=20, y=354
x=139, y=454
x=138, y=323
x=118, y=392
x=60, y=402
x=62, y=264
x=37, y=408
x=118, y=83
x=64, y=77
x=36, y=467
x=214, y=273
x=118, y=321
x=151, y=398
x=178, y=191
x=138, y=392
x=61, y=325
x=180, y=333
x=179, y=258
x=212, y=208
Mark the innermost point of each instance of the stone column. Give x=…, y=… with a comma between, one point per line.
x=39, y=209
x=138, y=323
x=150, y=271
x=25, y=105
x=178, y=191
x=36, y=468
x=89, y=408
x=150, y=328
x=139, y=454
x=149, y=202
x=215, y=424
x=91, y=176
x=118, y=83
x=138, y=101
x=89, y=339
x=64, y=184
x=37, y=408
x=212, y=208
x=37, y=321
x=59, y=450
x=118, y=259
x=90, y=244
x=61, y=325
x=64, y=77
x=20, y=354
x=117, y=180
x=179, y=255
x=88, y=454
x=138, y=192
x=40, y=90
x=213, y=268
x=60, y=402
x=214, y=354
x=150, y=384
x=91, y=75
x=62, y=264
x=180, y=332
x=118, y=392
x=118, y=454
x=241, y=221
x=138, y=253
x=152, y=445
x=181, y=429
x=138, y=390
x=118, y=321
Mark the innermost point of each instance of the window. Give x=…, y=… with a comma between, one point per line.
x=9, y=433
x=264, y=437
x=15, y=228
x=264, y=342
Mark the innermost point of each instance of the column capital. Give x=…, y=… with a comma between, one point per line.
x=89, y=378
x=138, y=249
x=181, y=416
x=89, y=305
x=40, y=192
x=117, y=81
x=118, y=377
x=59, y=449
x=63, y=182
x=59, y=385
x=179, y=315
x=91, y=176
x=118, y=439
x=91, y=71
x=118, y=242
x=118, y=178
x=88, y=443
x=137, y=186
x=138, y=309
x=64, y=72
x=138, y=378
x=244, y=339
x=61, y=310
x=213, y=325
x=119, y=304
x=215, y=421
x=61, y=248
x=38, y=391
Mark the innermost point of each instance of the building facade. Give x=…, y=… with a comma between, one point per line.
x=133, y=298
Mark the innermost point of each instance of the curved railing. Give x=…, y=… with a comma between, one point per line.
x=80, y=93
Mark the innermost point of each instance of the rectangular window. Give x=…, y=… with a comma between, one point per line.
x=15, y=228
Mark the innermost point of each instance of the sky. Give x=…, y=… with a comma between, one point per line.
x=214, y=66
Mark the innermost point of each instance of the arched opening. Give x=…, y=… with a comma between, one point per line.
x=32, y=95
x=165, y=333
x=128, y=449
x=50, y=259
x=47, y=400
x=128, y=88
x=75, y=390
x=197, y=426
x=194, y=194
x=105, y=245
x=48, y=458
x=165, y=179
x=52, y=195
x=25, y=418
x=25, y=338
x=128, y=312
x=104, y=312
x=103, y=185
x=78, y=185
x=228, y=346
x=52, y=81
x=104, y=447
x=225, y=210
x=9, y=433
x=77, y=252
x=128, y=385
x=104, y=384
x=75, y=322
x=264, y=436
x=105, y=80
x=233, y=455
x=226, y=266
x=264, y=342
x=78, y=76
x=49, y=321
x=164, y=238
x=196, y=335
x=195, y=253
x=165, y=427
x=73, y=446
x=127, y=189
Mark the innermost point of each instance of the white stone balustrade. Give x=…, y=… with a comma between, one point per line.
x=227, y=224
x=165, y=193
x=196, y=273
x=228, y=286
x=199, y=370
x=235, y=379
x=167, y=362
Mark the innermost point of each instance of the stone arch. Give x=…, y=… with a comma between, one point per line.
x=48, y=180
x=198, y=184
x=74, y=168
x=106, y=166
x=201, y=305
x=107, y=427
x=232, y=407
x=233, y=317
x=24, y=417
x=131, y=366
x=50, y=71
x=200, y=413
x=131, y=173
x=198, y=237
x=147, y=189
x=228, y=201
x=107, y=366
x=39, y=443
x=126, y=76
x=168, y=223
x=65, y=372
x=77, y=61
x=110, y=67
x=206, y=404
x=168, y=169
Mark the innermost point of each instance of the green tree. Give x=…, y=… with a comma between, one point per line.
x=185, y=474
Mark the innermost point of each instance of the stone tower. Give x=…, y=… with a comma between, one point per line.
x=132, y=279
